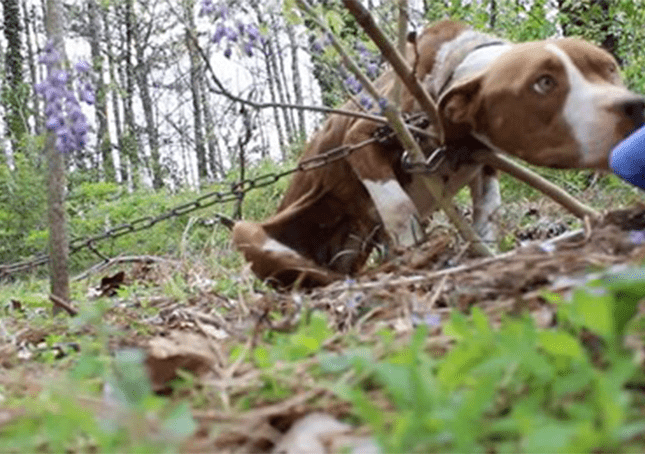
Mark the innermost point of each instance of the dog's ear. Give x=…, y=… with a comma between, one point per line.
x=458, y=107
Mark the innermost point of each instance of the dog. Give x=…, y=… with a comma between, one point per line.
x=557, y=103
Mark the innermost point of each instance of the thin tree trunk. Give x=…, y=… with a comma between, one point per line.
x=103, y=141
x=148, y=113
x=131, y=135
x=14, y=98
x=58, y=246
x=195, y=85
x=493, y=14
x=267, y=50
x=276, y=60
x=31, y=64
x=214, y=156
x=272, y=92
x=297, y=83
x=123, y=168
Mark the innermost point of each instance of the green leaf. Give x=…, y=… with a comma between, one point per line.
x=334, y=362
x=131, y=378
x=594, y=311
x=262, y=358
x=180, y=422
x=552, y=437
x=335, y=21
x=560, y=343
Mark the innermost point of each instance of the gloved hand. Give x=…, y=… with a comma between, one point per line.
x=627, y=159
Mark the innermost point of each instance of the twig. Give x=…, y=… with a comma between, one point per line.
x=123, y=259
x=531, y=178
x=63, y=305
x=262, y=412
x=221, y=90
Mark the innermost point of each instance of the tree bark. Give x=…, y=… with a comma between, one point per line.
x=107, y=33
x=130, y=140
x=214, y=154
x=297, y=83
x=148, y=110
x=31, y=64
x=272, y=93
x=14, y=90
x=278, y=73
x=103, y=141
x=58, y=245
x=195, y=89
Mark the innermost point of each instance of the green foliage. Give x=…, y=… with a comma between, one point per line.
x=22, y=207
x=63, y=416
x=516, y=388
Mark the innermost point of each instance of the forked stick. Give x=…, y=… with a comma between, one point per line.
x=501, y=162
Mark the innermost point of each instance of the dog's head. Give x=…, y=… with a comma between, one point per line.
x=557, y=103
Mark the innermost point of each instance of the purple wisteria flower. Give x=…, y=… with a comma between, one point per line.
x=366, y=102
x=232, y=33
x=63, y=114
x=637, y=236
x=353, y=84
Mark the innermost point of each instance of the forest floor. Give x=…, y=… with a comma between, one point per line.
x=252, y=353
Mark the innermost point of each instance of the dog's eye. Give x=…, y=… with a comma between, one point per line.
x=544, y=85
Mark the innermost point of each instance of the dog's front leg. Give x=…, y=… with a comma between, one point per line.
x=397, y=211
x=484, y=190
x=373, y=166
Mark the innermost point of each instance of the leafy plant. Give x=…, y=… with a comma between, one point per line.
x=515, y=388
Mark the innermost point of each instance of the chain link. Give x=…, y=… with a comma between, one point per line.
x=236, y=192
x=382, y=135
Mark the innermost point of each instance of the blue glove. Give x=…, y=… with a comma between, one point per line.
x=627, y=160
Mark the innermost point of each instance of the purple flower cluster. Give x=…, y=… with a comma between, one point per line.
x=230, y=32
x=368, y=61
x=63, y=111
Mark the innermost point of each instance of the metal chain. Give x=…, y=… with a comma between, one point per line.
x=238, y=189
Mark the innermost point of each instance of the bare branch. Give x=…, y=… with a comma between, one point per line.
x=531, y=178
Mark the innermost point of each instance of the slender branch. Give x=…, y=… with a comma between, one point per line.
x=401, y=44
x=60, y=303
x=531, y=178
x=400, y=66
x=222, y=90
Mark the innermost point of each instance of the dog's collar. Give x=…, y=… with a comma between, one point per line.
x=451, y=76
x=452, y=54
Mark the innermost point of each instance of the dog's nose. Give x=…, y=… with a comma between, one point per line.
x=634, y=109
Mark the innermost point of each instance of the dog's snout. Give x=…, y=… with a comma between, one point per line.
x=634, y=109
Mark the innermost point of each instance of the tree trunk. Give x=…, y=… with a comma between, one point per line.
x=103, y=141
x=130, y=141
x=195, y=86
x=14, y=90
x=58, y=246
x=278, y=73
x=297, y=83
x=123, y=167
x=148, y=112
x=214, y=155
x=272, y=92
x=493, y=14
x=31, y=61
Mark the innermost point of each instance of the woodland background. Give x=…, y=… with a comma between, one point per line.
x=169, y=344
x=173, y=115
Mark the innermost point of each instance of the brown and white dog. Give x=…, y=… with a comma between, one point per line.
x=557, y=103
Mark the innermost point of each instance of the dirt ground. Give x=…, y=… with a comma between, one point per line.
x=419, y=286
